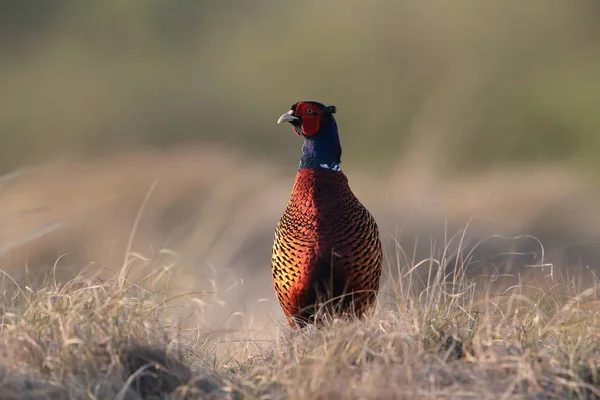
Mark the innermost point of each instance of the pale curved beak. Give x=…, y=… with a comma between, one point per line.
x=287, y=117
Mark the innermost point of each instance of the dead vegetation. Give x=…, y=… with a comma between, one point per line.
x=94, y=339
x=201, y=320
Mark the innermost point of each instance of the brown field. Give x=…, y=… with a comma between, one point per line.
x=145, y=274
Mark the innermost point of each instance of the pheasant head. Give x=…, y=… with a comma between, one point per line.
x=315, y=122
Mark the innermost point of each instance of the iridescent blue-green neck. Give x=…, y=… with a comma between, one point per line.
x=323, y=150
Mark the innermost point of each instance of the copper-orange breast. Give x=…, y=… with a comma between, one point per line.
x=326, y=248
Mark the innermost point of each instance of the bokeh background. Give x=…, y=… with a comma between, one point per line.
x=476, y=119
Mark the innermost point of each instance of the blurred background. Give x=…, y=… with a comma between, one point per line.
x=470, y=118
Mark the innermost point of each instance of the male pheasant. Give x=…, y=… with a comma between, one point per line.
x=327, y=253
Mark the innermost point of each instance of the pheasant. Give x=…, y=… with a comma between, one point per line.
x=327, y=253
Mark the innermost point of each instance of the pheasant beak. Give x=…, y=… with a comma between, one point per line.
x=288, y=117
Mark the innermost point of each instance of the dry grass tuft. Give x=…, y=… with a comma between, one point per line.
x=93, y=339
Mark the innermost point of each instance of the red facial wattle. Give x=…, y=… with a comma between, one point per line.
x=310, y=118
x=310, y=124
x=305, y=118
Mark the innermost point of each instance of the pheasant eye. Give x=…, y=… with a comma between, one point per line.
x=309, y=111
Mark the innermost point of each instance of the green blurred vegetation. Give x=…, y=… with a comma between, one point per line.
x=468, y=84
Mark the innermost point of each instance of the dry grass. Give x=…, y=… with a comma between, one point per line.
x=90, y=339
x=120, y=340
x=202, y=321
